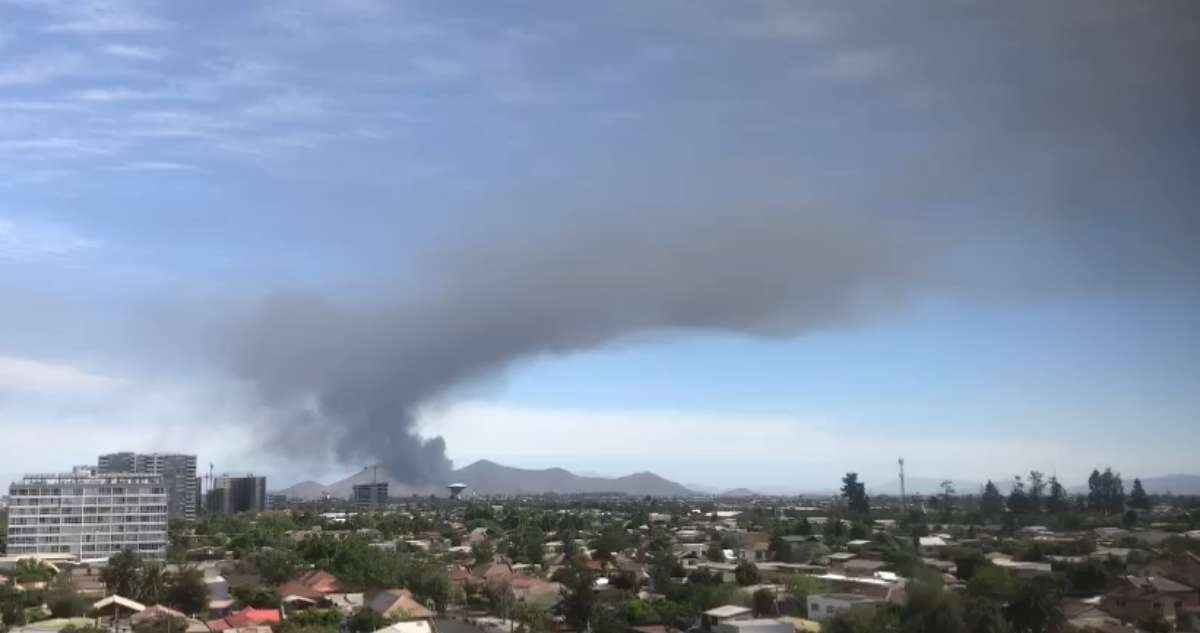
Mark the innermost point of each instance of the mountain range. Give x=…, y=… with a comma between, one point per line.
x=489, y=478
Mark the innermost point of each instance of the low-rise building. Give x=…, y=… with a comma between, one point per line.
x=1135, y=596
x=824, y=606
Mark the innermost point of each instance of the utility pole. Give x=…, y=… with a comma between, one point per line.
x=903, y=497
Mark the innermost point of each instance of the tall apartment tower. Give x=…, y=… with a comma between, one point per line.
x=88, y=515
x=231, y=495
x=178, y=473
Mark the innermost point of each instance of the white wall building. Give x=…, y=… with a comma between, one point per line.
x=88, y=515
x=822, y=606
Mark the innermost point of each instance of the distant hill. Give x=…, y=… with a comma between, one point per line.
x=489, y=478
x=739, y=492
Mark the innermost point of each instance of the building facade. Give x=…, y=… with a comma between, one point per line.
x=371, y=496
x=178, y=472
x=88, y=515
x=232, y=495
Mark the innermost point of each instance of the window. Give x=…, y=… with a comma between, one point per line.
x=1158, y=605
x=829, y=609
x=815, y=608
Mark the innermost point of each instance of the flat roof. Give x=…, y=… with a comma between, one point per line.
x=727, y=611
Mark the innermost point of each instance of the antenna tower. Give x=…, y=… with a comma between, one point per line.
x=903, y=496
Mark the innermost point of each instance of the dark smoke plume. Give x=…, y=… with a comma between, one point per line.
x=488, y=305
x=1080, y=116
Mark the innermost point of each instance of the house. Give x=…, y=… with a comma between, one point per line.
x=1024, y=569
x=725, y=613
x=411, y=626
x=931, y=546
x=839, y=559
x=244, y=619
x=492, y=572
x=398, y=603
x=823, y=606
x=479, y=534
x=322, y=582
x=761, y=625
x=1134, y=596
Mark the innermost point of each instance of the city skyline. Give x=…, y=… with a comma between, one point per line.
x=791, y=239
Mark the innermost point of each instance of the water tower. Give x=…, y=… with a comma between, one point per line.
x=456, y=490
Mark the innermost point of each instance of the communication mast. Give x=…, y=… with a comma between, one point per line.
x=903, y=497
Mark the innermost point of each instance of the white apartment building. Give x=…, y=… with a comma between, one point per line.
x=88, y=515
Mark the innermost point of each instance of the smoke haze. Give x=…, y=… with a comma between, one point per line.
x=1079, y=117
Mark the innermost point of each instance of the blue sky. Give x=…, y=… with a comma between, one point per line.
x=165, y=166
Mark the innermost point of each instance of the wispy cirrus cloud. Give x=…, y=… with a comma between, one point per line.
x=121, y=94
x=39, y=69
x=154, y=166
x=129, y=51
x=31, y=240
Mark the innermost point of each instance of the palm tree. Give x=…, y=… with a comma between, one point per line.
x=153, y=584
x=120, y=576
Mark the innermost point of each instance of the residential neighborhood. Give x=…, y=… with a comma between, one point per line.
x=1038, y=559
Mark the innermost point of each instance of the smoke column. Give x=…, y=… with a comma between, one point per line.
x=1080, y=115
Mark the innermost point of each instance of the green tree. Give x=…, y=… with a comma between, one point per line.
x=255, y=597
x=781, y=550
x=578, y=597
x=1129, y=519
x=187, y=591
x=1018, y=499
x=482, y=551
x=63, y=598
x=984, y=615
x=747, y=573
x=1153, y=621
x=121, y=575
x=1037, y=607
x=855, y=494
x=991, y=504
x=931, y=609
x=1138, y=499
x=1037, y=492
x=276, y=566
x=967, y=562
x=639, y=612
x=1095, y=496
x=991, y=582
x=764, y=601
x=801, y=586
x=152, y=584
x=366, y=621
x=1056, y=501
x=715, y=554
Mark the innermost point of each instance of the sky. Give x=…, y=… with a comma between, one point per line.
x=736, y=244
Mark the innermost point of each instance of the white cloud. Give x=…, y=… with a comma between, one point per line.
x=33, y=241
x=39, y=69
x=153, y=166
x=21, y=375
x=292, y=104
x=104, y=95
x=132, y=52
x=103, y=19
x=40, y=106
